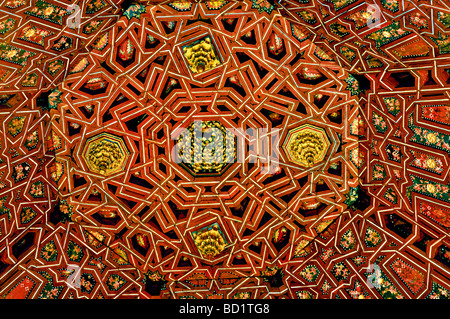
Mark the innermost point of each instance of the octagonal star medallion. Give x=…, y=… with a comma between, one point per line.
x=105, y=154
x=306, y=145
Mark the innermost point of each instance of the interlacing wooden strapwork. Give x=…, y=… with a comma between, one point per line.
x=334, y=117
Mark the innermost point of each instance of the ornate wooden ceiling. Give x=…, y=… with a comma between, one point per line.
x=335, y=120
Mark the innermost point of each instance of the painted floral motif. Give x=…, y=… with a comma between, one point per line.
x=12, y=4
x=326, y=254
x=322, y=55
x=136, y=10
x=323, y=225
x=80, y=66
x=56, y=171
x=30, y=80
x=352, y=196
x=215, y=4
x=413, y=279
x=352, y=85
x=310, y=273
x=393, y=105
x=394, y=152
x=443, y=42
x=302, y=249
x=32, y=140
x=429, y=188
x=298, y=33
x=437, y=113
x=54, y=99
x=397, y=174
x=412, y=49
x=97, y=262
x=3, y=209
x=66, y=210
x=363, y=17
x=115, y=282
x=20, y=171
x=357, y=292
x=379, y=172
x=388, y=34
x=15, y=126
x=390, y=5
x=339, y=4
x=348, y=240
x=373, y=62
x=181, y=5
x=74, y=252
x=3, y=74
x=444, y=18
x=427, y=162
x=379, y=123
x=307, y=16
x=442, y=216
x=418, y=20
x=443, y=255
x=170, y=25
x=87, y=283
x=55, y=66
x=142, y=240
x=54, y=141
x=328, y=231
x=6, y=25
x=398, y=133
x=326, y=287
x=263, y=5
x=34, y=34
x=340, y=271
x=50, y=291
x=242, y=295
x=304, y=295
x=339, y=29
x=95, y=238
x=101, y=42
x=15, y=55
x=391, y=196
x=429, y=138
x=187, y=297
x=92, y=26
x=385, y=287
x=119, y=256
x=348, y=53
x=322, y=10
x=196, y=280
x=62, y=44
x=438, y=292
x=49, y=252
x=26, y=215
x=21, y=290
x=37, y=189
x=372, y=238
x=357, y=157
